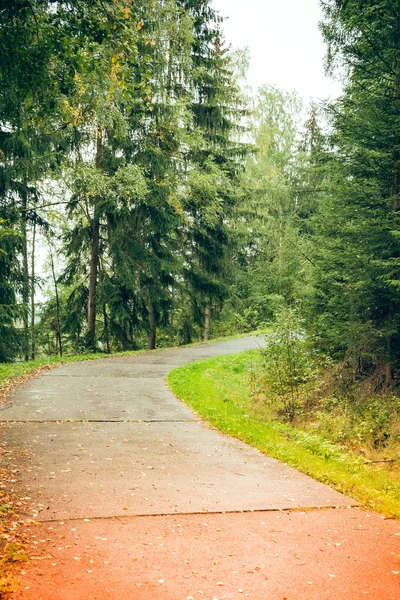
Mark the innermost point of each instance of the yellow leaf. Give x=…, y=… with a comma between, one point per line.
x=140, y=25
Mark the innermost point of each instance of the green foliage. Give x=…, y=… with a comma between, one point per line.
x=288, y=362
x=15, y=553
x=271, y=266
x=5, y=508
x=8, y=583
x=368, y=423
x=357, y=302
x=130, y=112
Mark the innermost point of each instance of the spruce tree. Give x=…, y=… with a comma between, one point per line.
x=45, y=47
x=215, y=162
x=358, y=287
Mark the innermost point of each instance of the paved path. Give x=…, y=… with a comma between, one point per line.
x=137, y=498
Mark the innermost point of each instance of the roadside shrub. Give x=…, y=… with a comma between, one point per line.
x=289, y=362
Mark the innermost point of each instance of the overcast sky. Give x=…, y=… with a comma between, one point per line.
x=286, y=46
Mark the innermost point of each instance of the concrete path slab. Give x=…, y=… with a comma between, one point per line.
x=118, y=388
x=118, y=469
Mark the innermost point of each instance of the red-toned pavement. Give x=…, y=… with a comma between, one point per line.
x=127, y=495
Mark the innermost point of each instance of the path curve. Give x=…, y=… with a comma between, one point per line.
x=127, y=495
x=109, y=439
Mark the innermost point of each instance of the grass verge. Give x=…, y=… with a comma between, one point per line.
x=219, y=390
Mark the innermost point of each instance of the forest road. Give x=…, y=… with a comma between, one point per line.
x=127, y=494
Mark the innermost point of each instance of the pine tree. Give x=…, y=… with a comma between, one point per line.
x=44, y=49
x=358, y=290
x=216, y=160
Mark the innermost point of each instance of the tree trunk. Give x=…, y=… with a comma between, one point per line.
x=94, y=258
x=106, y=332
x=25, y=270
x=33, y=338
x=172, y=305
x=151, y=340
x=58, y=320
x=207, y=322
x=388, y=373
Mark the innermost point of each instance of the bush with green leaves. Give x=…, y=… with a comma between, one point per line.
x=289, y=362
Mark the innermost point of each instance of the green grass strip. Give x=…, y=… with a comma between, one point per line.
x=219, y=390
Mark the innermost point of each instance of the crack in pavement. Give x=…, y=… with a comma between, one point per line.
x=286, y=511
x=11, y=421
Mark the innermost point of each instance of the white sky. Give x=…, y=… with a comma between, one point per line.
x=286, y=47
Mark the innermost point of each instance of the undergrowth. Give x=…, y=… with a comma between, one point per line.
x=298, y=385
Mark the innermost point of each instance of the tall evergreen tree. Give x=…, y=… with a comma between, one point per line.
x=215, y=162
x=358, y=287
x=45, y=47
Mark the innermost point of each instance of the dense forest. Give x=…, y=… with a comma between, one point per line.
x=148, y=197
